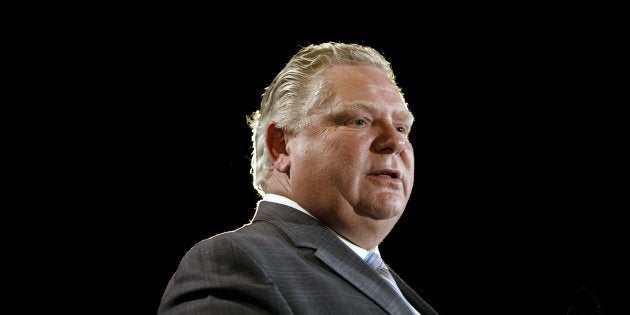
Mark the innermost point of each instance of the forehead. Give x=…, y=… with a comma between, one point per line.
x=360, y=79
x=362, y=84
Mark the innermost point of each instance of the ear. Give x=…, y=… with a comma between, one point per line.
x=277, y=148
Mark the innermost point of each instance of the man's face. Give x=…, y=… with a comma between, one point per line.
x=354, y=158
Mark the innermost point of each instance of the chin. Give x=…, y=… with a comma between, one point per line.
x=386, y=211
x=393, y=202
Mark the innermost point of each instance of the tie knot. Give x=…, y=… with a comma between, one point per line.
x=374, y=260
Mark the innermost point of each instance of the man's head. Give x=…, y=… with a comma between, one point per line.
x=331, y=135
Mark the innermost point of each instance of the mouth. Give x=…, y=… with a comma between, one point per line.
x=393, y=174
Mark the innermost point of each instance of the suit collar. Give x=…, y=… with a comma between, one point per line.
x=351, y=267
x=306, y=231
x=302, y=229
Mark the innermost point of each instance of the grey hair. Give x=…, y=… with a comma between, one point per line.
x=298, y=88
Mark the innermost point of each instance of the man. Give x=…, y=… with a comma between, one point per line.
x=335, y=170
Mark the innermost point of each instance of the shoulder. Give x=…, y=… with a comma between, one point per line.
x=250, y=238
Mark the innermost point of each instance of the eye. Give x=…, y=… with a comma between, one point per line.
x=359, y=122
x=403, y=129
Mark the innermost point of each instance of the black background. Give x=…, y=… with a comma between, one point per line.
x=518, y=139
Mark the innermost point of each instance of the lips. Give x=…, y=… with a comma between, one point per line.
x=386, y=172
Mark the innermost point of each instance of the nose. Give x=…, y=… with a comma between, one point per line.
x=390, y=141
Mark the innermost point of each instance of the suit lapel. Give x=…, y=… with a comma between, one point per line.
x=349, y=266
x=306, y=231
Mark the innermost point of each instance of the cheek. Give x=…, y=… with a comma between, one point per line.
x=409, y=159
x=348, y=152
x=311, y=158
x=409, y=162
x=335, y=156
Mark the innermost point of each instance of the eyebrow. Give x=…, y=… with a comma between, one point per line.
x=358, y=106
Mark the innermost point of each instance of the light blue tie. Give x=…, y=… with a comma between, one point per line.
x=374, y=260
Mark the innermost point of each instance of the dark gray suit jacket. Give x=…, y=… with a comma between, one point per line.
x=284, y=262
